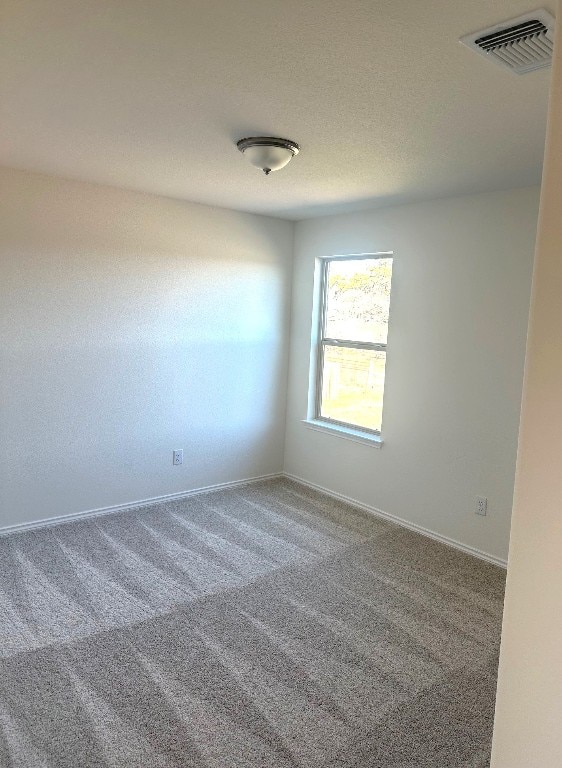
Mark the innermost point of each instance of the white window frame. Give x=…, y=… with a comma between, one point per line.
x=346, y=429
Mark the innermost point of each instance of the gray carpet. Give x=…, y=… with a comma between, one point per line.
x=266, y=625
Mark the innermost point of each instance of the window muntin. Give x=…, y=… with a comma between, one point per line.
x=353, y=337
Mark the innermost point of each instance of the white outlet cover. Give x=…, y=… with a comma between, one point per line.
x=481, y=505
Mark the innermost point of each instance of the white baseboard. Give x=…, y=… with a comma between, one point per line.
x=49, y=521
x=404, y=523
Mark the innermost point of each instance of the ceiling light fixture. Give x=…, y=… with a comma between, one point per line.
x=268, y=152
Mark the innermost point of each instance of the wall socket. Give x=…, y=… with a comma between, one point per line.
x=178, y=458
x=481, y=505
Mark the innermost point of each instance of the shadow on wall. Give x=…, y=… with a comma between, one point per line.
x=133, y=325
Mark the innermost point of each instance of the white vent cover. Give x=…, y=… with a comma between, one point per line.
x=521, y=45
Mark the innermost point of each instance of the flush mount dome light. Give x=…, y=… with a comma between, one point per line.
x=268, y=152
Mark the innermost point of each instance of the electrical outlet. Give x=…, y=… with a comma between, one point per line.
x=481, y=505
x=178, y=458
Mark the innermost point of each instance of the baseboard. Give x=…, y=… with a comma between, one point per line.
x=49, y=521
x=400, y=521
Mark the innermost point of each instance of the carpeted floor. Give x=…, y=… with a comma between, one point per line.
x=266, y=625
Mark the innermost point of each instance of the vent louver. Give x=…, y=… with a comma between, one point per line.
x=520, y=45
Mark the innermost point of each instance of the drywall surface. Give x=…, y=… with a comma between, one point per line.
x=132, y=325
x=527, y=732
x=458, y=322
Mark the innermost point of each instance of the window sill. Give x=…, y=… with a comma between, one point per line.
x=348, y=433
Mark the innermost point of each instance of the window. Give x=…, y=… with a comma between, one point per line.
x=354, y=309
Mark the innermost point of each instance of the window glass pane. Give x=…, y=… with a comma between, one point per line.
x=358, y=298
x=353, y=386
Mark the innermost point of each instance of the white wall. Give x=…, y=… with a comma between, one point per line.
x=528, y=726
x=460, y=298
x=131, y=325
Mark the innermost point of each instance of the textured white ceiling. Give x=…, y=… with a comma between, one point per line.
x=385, y=102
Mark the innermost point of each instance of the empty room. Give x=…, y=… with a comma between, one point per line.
x=280, y=384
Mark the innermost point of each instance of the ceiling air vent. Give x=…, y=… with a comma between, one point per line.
x=521, y=45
